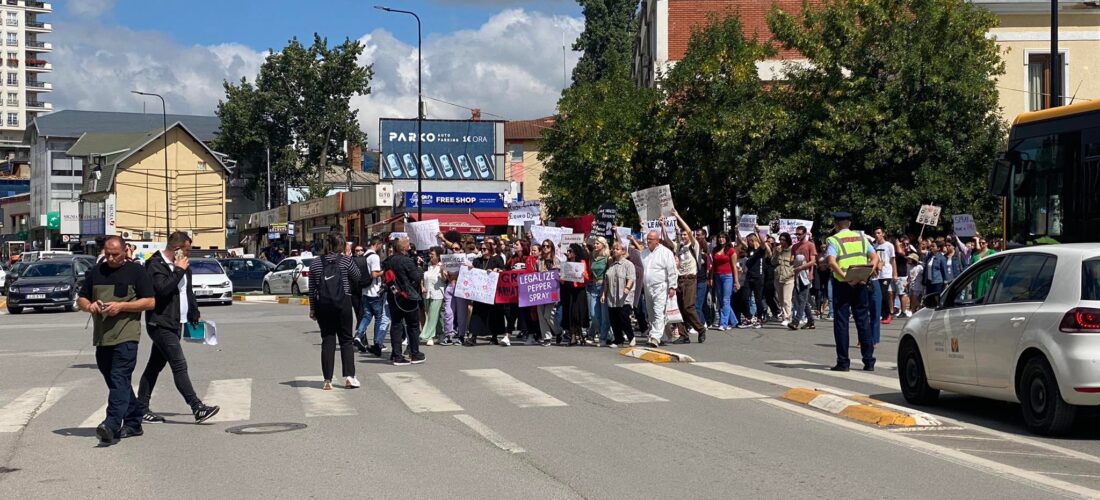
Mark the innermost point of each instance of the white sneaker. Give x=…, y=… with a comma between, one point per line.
x=613, y=346
x=506, y=340
x=784, y=323
x=430, y=342
x=530, y=340
x=351, y=383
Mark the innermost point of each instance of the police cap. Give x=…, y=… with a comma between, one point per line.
x=839, y=216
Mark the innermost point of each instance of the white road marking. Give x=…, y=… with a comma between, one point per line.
x=763, y=376
x=953, y=436
x=18, y=413
x=1021, y=453
x=950, y=454
x=610, y=389
x=417, y=393
x=319, y=403
x=856, y=375
x=48, y=354
x=691, y=382
x=94, y=419
x=489, y=434
x=234, y=396
x=517, y=392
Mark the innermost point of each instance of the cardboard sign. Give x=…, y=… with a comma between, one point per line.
x=653, y=203
x=398, y=235
x=508, y=287
x=929, y=215
x=623, y=233
x=422, y=235
x=747, y=225
x=572, y=271
x=566, y=240
x=477, y=285
x=605, y=220
x=789, y=226
x=538, y=288
x=540, y=234
x=520, y=213
x=453, y=262
x=964, y=226
x=669, y=227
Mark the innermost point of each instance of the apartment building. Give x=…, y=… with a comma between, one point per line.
x=24, y=65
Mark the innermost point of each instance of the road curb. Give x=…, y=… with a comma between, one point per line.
x=294, y=301
x=656, y=355
x=858, y=408
x=255, y=298
x=3, y=302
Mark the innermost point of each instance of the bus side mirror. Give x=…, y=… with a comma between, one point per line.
x=1000, y=178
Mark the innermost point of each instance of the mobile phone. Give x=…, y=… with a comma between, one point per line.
x=179, y=254
x=464, y=167
x=395, y=167
x=410, y=165
x=446, y=166
x=428, y=165
x=483, y=167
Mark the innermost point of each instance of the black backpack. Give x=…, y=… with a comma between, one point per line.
x=330, y=286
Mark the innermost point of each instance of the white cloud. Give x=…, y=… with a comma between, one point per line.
x=89, y=8
x=510, y=66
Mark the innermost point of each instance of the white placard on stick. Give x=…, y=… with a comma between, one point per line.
x=566, y=240
x=522, y=212
x=964, y=226
x=669, y=227
x=540, y=234
x=454, y=262
x=477, y=285
x=789, y=226
x=623, y=233
x=929, y=215
x=422, y=235
x=747, y=225
x=653, y=203
x=572, y=271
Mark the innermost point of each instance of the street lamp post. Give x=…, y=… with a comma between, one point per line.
x=419, y=108
x=164, y=115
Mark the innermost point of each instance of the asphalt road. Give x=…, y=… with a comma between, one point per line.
x=506, y=422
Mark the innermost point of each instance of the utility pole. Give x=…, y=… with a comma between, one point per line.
x=1055, y=58
x=267, y=150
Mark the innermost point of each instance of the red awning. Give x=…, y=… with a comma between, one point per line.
x=463, y=223
x=492, y=218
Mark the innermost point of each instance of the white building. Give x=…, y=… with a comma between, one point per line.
x=24, y=64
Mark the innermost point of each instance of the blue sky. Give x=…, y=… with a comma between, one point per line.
x=502, y=56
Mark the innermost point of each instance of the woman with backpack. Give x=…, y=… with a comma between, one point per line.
x=330, y=287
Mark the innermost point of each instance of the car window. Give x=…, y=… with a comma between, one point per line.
x=81, y=266
x=1090, y=279
x=206, y=267
x=232, y=265
x=285, y=265
x=1026, y=278
x=49, y=270
x=973, y=288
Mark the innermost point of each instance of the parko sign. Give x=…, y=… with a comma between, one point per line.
x=449, y=149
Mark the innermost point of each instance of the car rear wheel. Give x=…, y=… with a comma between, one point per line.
x=1044, y=410
x=914, y=380
x=294, y=290
x=15, y=310
x=267, y=289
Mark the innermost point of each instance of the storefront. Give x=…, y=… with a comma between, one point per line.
x=466, y=213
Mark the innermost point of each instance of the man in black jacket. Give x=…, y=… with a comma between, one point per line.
x=404, y=301
x=175, y=304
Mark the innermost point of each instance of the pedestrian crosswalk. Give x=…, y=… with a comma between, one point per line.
x=424, y=391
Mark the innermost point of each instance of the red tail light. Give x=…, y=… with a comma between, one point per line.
x=1081, y=320
x=305, y=273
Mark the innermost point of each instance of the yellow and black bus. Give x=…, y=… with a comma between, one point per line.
x=1050, y=176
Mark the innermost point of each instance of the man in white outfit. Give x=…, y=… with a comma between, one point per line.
x=660, y=284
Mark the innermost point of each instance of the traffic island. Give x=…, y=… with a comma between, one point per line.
x=859, y=408
x=303, y=301
x=656, y=355
x=240, y=297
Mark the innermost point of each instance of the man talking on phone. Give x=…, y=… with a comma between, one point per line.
x=175, y=304
x=115, y=292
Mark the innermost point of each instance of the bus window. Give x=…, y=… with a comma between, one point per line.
x=1036, y=206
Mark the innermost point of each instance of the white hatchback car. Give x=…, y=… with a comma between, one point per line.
x=290, y=276
x=1019, y=326
x=211, y=284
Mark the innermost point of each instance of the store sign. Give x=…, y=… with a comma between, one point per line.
x=312, y=208
x=448, y=149
x=70, y=217
x=456, y=200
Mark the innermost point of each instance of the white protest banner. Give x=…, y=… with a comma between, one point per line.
x=763, y=231
x=789, y=226
x=964, y=226
x=747, y=225
x=454, y=262
x=398, y=235
x=623, y=233
x=540, y=234
x=522, y=212
x=572, y=271
x=653, y=203
x=929, y=215
x=422, y=235
x=566, y=240
x=477, y=285
x=669, y=227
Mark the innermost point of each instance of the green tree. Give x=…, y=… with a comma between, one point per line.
x=897, y=107
x=607, y=39
x=300, y=108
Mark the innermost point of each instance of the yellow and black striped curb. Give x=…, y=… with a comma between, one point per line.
x=859, y=408
x=3, y=302
x=255, y=298
x=656, y=355
x=304, y=301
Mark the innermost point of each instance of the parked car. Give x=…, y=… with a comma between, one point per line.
x=48, y=283
x=1002, y=331
x=3, y=277
x=247, y=274
x=290, y=276
x=11, y=275
x=36, y=255
x=210, y=283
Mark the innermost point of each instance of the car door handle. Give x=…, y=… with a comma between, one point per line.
x=969, y=320
x=1018, y=318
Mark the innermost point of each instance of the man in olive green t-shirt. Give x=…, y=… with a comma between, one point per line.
x=115, y=292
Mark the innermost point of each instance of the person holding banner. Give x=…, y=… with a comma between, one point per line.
x=487, y=319
x=573, y=297
x=432, y=288
x=661, y=278
x=687, y=250
x=618, y=295
x=548, y=261
x=522, y=260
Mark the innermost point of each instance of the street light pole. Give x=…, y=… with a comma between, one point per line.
x=419, y=108
x=1055, y=58
x=164, y=115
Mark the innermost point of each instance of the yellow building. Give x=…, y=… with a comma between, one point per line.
x=522, y=142
x=126, y=187
x=1024, y=39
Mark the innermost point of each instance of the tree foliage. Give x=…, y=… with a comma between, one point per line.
x=299, y=107
x=607, y=39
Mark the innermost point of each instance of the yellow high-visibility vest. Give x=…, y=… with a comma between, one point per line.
x=851, y=250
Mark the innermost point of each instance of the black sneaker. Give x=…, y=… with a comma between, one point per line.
x=359, y=344
x=400, y=361
x=417, y=358
x=810, y=326
x=702, y=336
x=152, y=417
x=106, y=436
x=203, y=412
x=839, y=368
x=375, y=350
x=682, y=340
x=128, y=431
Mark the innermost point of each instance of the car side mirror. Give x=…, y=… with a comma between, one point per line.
x=931, y=300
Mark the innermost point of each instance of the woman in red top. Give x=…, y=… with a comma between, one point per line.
x=574, y=302
x=724, y=273
x=520, y=317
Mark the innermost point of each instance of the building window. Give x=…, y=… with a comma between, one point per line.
x=13, y=39
x=13, y=119
x=517, y=153
x=13, y=99
x=13, y=18
x=1038, y=80
x=13, y=78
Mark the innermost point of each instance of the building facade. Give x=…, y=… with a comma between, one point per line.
x=522, y=143
x=24, y=65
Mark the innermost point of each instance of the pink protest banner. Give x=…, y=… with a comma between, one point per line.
x=538, y=288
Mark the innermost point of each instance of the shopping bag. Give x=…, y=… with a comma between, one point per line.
x=194, y=332
x=210, y=336
x=672, y=310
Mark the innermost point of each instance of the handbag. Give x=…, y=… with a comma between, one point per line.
x=672, y=310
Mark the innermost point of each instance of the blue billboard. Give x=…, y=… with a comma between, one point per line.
x=467, y=201
x=450, y=149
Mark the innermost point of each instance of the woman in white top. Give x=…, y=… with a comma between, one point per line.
x=432, y=288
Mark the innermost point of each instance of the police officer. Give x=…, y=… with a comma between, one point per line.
x=847, y=248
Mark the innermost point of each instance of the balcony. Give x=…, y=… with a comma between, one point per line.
x=38, y=65
x=39, y=27
x=13, y=63
x=36, y=46
x=39, y=87
x=12, y=43
x=13, y=102
x=39, y=106
x=38, y=6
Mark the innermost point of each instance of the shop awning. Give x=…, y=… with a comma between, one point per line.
x=492, y=218
x=463, y=223
x=385, y=226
